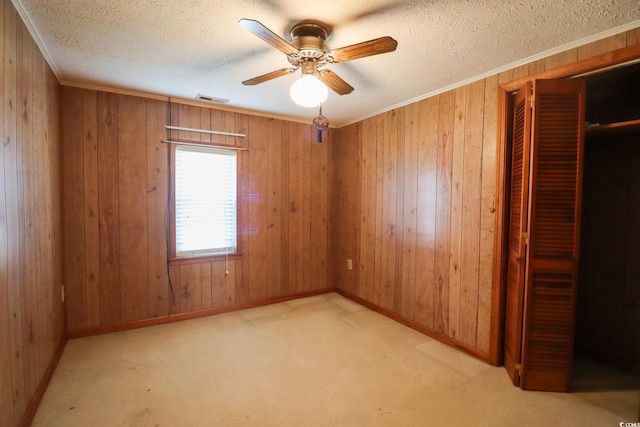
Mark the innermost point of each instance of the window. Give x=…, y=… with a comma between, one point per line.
x=205, y=201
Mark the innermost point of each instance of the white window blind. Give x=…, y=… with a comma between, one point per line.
x=205, y=200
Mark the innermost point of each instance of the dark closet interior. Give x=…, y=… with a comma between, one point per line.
x=608, y=306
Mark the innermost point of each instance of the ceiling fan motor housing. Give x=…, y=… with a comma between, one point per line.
x=309, y=28
x=309, y=38
x=310, y=47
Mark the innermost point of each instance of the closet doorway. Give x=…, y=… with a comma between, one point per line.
x=606, y=231
x=607, y=333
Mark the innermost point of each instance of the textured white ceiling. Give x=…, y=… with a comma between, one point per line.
x=182, y=48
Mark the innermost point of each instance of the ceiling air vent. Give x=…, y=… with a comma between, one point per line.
x=212, y=99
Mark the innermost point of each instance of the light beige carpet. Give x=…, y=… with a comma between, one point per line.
x=319, y=361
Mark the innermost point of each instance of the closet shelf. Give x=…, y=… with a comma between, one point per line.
x=627, y=125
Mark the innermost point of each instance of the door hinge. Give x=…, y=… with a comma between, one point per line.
x=531, y=100
x=525, y=236
x=519, y=369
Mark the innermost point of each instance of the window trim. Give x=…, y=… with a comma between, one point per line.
x=174, y=259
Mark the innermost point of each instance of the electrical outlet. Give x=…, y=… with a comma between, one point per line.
x=62, y=293
x=349, y=264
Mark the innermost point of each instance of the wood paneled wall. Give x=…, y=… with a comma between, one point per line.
x=416, y=194
x=115, y=204
x=414, y=210
x=31, y=310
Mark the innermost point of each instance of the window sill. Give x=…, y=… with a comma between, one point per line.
x=203, y=259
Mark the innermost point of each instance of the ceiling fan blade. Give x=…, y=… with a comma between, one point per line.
x=269, y=76
x=334, y=82
x=259, y=30
x=361, y=50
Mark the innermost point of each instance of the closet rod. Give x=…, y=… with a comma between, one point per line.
x=214, y=132
x=204, y=144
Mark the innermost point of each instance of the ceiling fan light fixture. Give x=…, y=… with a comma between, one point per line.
x=307, y=50
x=308, y=91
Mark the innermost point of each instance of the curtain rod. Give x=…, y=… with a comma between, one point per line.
x=204, y=144
x=214, y=132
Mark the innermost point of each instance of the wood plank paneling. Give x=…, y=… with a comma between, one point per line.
x=471, y=217
x=54, y=191
x=379, y=223
x=560, y=59
x=487, y=214
x=306, y=211
x=318, y=262
x=275, y=283
x=295, y=210
x=24, y=155
x=457, y=187
x=410, y=211
x=73, y=223
x=346, y=197
x=27, y=131
x=232, y=281
x=419, y=235
x=602, y=46
x=443, y=209
x=399, y=225
x=15, y=221
x=31, y=311
x=241, y=290
x=513, y=73
x=427, y=198
x=157, y=194
x=108, y=187
x=91, y=207
x=6, y=367
x=132, y=201
x=188, y=288
x=389, y=215
x=368, y=205
x=218, y=277
x=206, y=290
x=256, y=224
x=216, y=120
x=633, y=36
x=283, y=210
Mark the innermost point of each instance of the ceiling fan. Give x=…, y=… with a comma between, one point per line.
x=308, y=51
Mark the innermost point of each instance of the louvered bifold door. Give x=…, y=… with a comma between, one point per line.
x=554, y=227
x=518, y=206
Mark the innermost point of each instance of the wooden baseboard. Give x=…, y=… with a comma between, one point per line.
x=30, y=412
x=485, y=357
x=99, y=330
